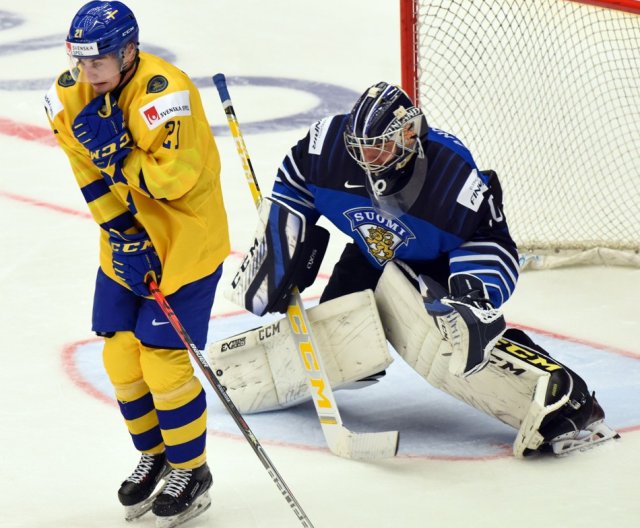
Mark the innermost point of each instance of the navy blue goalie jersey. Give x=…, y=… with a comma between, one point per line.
x=451, y=210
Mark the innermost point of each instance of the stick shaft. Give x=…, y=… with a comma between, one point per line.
x=226, y=401
x=319, y=384
x=340, y=440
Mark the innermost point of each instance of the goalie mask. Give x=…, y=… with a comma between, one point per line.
x=97, y=41
x=383, y=135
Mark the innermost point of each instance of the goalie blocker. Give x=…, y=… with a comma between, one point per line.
x=286, y=252
x=521, y=385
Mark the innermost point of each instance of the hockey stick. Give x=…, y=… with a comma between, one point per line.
x=341, y=441
x=226, y=401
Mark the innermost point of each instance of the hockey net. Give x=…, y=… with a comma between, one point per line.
x=546, y=93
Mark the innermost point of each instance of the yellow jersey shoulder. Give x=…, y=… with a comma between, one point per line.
x=156, y=76
x=65, y=94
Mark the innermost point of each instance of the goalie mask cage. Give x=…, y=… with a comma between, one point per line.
x=546, y=93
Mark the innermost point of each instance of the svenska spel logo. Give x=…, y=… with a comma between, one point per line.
x=151, y=115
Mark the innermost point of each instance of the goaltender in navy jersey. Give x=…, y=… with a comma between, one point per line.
x=410, y=195
x=453, y=211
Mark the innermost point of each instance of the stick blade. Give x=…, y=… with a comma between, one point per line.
x=363, y=446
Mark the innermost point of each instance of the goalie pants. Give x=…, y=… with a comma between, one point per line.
x=162, y=402
x=354, y=272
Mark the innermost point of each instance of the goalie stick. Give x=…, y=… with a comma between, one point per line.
x=229, y=405
x=340, y=440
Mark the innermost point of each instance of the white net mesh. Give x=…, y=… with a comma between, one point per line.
x=547, y=93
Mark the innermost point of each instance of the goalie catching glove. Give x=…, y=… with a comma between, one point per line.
x=465, y=318
x=286, y=253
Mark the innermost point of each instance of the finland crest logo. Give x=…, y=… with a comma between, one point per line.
x=382, y=233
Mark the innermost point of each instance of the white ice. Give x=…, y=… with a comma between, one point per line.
x=63, y=447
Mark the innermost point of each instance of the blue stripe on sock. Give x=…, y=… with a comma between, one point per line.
x=147, y=440
x=137, y=408
x=184, y=415
x=181, y=453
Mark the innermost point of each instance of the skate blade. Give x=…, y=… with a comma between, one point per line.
x=131, y=513
x=199, y=506
x=598, y=433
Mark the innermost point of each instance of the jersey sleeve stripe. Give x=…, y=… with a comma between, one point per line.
x=94, y=190
x=292, y=181
x=484, y=258
x=120, y=223
x=500, y=248
x=290, y=199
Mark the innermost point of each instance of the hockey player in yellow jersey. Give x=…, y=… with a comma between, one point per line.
x=142, y=152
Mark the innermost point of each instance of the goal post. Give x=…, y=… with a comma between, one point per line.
x=546, y=93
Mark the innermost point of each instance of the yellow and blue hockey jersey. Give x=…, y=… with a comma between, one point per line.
x=169, y=184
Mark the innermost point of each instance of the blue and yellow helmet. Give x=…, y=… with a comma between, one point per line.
x=100, y=28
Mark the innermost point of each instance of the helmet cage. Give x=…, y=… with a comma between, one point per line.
x=393, y=148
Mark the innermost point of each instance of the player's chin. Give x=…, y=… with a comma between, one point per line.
x=101, y=87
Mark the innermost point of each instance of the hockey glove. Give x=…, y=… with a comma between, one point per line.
x=135, y=260
x=469, y=289
x=481, y=325
x=100, y=127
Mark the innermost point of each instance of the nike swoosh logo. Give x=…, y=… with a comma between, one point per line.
x=159, y=323
x=348, y=185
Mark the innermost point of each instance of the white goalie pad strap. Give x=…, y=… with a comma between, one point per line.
x=262, y=370
x=266, y=267
x=528, y=436
x=512, y=387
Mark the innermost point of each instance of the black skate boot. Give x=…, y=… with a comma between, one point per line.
x=135, y=493
x=578, y=426
x=184, y=496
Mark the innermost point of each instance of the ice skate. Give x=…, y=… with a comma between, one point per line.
x=582, y=429
x=184, y=496
x=136, y=492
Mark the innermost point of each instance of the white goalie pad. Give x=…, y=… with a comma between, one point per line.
x=514, y=387
x=262, y=370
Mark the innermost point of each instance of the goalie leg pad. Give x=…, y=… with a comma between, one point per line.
x=521, y=385
x=262, y=370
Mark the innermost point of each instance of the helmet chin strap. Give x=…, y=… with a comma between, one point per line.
x=126, y=69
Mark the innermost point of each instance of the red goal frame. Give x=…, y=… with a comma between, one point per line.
x=409, y=48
